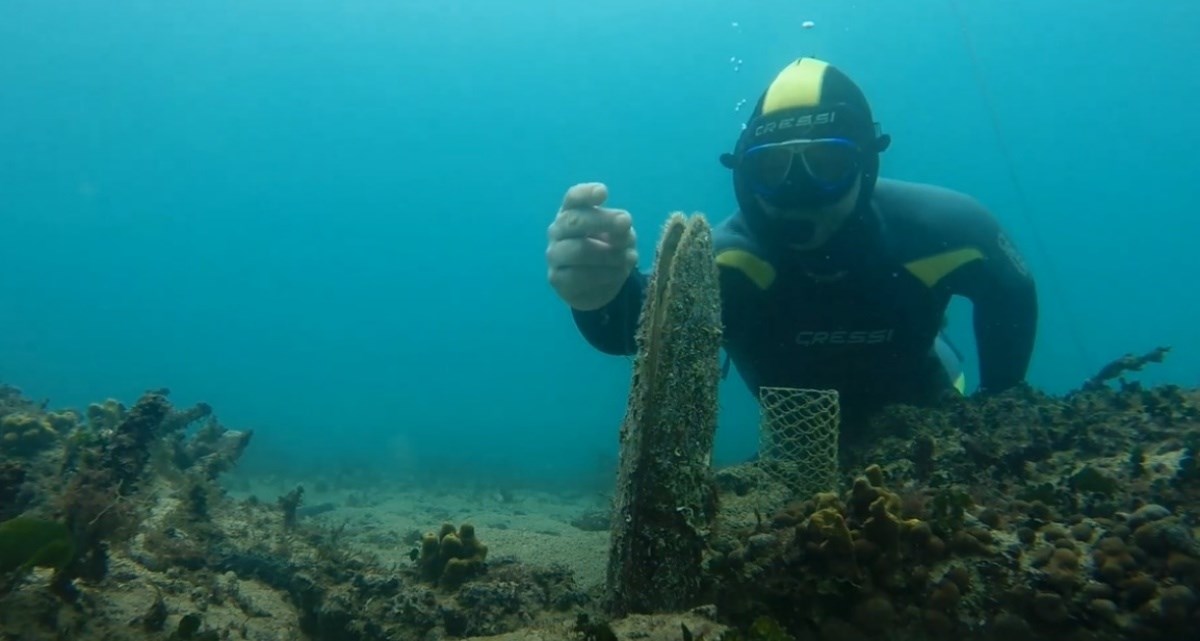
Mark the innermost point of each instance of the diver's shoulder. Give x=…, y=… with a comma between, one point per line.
x=931, y=213
x=903, y=197
x=923, y=219
x=746, y=266
x=733, y=233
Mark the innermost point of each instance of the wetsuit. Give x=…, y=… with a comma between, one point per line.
x=866, y=319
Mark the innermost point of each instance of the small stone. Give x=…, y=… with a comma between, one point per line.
x=1026, y=535
x=1040, y=511
x=982, y=535
x=1103, y=609
x=964, y=543
x=835, y=628
x=1139, y=589
x=1110, y=570
x=1146, y=514
x=1041, y=556
x=937, y=623
x=1183, y=566
x=1064, y=559
x=875, y=615
x=736, y=558
x=1053, y=532
x=1082, y=532
x=1010, y=626
x=961, y=577
x=991, y=518
x=760, y=542
x=919, y=533
x=1151, y=610
x=1177, y=603
x=865, y=550
x=1064, y=544
x=945, y=596
x=1154, y=537
x=1097, y=590
x=1062, y=570
x=1050, y=608
x=1111, y=545
x=935, y=547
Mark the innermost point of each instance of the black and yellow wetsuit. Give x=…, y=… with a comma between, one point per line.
x=866, y=323
x=832, y=278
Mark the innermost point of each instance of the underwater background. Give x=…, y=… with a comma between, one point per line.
x=327, y=220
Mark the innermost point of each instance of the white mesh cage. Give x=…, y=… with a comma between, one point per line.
x=798, y=438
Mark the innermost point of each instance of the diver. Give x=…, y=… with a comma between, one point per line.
x=831, y=277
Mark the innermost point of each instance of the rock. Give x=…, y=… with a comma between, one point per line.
x=1147, y=514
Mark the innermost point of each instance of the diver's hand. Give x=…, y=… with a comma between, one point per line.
x=592, y=249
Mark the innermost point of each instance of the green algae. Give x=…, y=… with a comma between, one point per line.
x=26, y=543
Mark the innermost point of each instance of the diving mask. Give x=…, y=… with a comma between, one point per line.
x=802, y=173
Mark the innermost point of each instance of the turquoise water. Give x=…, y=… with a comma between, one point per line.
x=328, y=219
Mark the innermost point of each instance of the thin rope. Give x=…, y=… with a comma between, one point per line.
x=1022, y=200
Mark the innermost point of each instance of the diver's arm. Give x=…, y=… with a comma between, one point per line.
x=1005, y=327
x=611, y=328
x=1004, y=297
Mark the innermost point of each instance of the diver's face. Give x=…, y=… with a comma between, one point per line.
x=811, y=228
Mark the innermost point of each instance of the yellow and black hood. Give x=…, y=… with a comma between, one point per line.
x=810, y=98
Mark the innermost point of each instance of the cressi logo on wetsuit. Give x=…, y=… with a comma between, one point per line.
x=845, y=337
